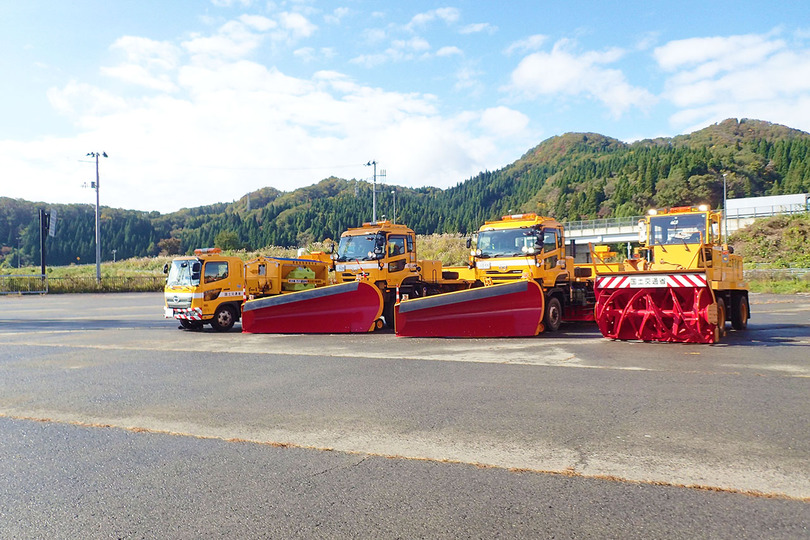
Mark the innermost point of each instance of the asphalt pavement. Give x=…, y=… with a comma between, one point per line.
x=118, y=425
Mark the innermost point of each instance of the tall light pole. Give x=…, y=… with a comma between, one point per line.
x=394, y=216
x=725, y=211
x=373, y=192
x=98, y=229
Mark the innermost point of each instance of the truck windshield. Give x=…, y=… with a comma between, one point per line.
x=507, y=243
x=180, y=273
x=357, y=248
x=678, y=229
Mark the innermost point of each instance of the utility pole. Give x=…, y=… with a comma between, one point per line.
x=725, y=211
x=44, y=224
x=394, y=216
x=373, y=192
x=98, y=230
x=374, y=189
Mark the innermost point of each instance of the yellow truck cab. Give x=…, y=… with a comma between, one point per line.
x=529, y=246
x=207, y=287
x=381, y=252
x=384, y=253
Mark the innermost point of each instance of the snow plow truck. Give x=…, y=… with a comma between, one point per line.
x=682, y=285
x=209, y=287
x=523, y=284
x=374, y=266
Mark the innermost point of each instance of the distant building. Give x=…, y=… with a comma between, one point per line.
x=767, y=206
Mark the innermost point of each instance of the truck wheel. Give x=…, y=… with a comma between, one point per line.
x=224, y=317
x=553, y=315
x=739, y=312
x=190, y=325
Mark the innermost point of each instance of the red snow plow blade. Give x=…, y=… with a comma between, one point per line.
x=334, y=309
x=674, y=307
x=510, y=309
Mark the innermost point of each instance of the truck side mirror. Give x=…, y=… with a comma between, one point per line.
x=196, y=268
x=469, y=242
x=166, y=268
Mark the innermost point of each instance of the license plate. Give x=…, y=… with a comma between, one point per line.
x=168, y=313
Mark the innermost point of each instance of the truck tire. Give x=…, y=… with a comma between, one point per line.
x=224, y=318
x=553, y=316
x=739, y=312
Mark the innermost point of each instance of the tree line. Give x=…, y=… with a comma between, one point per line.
x=570, y=177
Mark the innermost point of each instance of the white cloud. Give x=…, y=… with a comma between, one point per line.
x=753, y=76
x=449, y=51
x=223, y=128
x=448, y=15
x=731, y=52
x=309, y=54
x=234, y=39
x=564, y=72
x=230, y=3
x=82, y=101
x=399, y=51
x=503, y=121
x=468, y=78
x=297, y=25
x=477, y=28
x=336, y=16
x=530, y=44
x=148, y=63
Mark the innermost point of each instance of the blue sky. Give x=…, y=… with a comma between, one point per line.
x=198, y=102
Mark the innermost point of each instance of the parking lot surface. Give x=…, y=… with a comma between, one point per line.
x=117, y=424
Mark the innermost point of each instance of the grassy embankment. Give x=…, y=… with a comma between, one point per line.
x=770, y=248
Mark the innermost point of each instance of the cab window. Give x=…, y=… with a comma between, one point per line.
x=396, y=245
x=215, y=271
x=549, y=240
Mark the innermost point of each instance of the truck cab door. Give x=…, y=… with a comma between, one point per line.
x=398, y=256
x=215, y=281
x=551, y=249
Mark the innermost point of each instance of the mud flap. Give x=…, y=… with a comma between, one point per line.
x=510, y=309
x=670, y=307
x=334, y=309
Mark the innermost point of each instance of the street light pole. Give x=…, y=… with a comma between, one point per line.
x=725, y=211
x=98, y=229
x=373, y=192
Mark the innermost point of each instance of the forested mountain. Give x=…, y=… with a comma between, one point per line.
x=571, y=176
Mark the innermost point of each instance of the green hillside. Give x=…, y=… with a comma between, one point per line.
x=571, y=176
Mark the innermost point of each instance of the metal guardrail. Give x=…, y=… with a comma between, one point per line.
x=767, y=211
x=776, y=273
x=39, y=284
x=602, y=224
x=23, y=284
x=607, y=225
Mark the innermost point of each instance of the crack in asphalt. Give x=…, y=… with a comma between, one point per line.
x=567, y=472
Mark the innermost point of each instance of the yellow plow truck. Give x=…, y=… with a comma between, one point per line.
x=209, y=287
x=523, y=284
x=375, y=265
x=682, y=286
